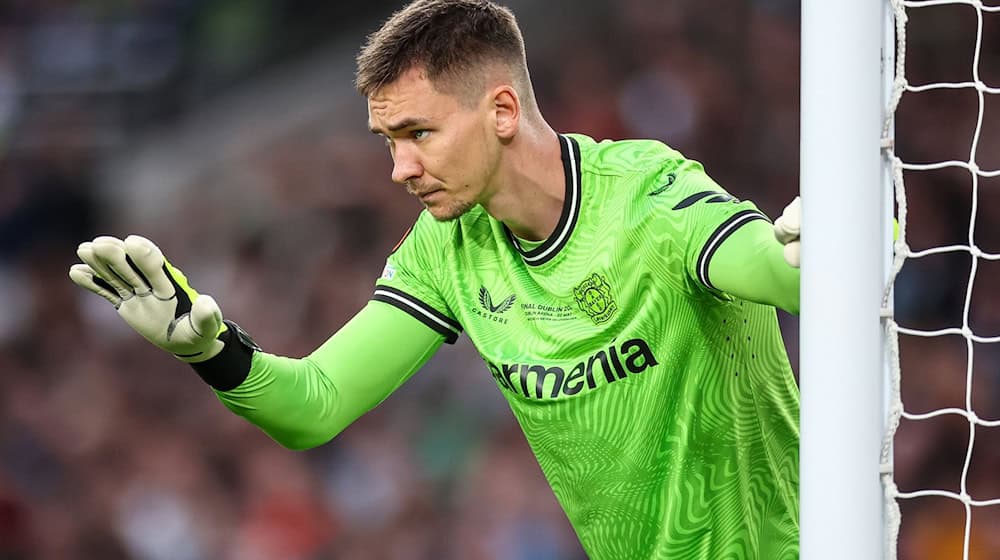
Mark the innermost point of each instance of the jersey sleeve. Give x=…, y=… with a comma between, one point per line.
x=750, y=265
x=698, y=216
x=413, y=276
x=304, y=402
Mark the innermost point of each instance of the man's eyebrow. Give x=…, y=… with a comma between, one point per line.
x=405, y=123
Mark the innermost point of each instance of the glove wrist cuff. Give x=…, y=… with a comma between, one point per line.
x=230, y=367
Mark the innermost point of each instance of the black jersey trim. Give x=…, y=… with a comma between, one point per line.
x=570, y=152
x=716, y=197
x=420, y=311
x=721, y=233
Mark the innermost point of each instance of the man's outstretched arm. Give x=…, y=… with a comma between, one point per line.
x=301, y=403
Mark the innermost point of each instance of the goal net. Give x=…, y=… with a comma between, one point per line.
x=941, y=144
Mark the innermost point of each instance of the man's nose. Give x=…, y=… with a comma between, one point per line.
x=405, y=164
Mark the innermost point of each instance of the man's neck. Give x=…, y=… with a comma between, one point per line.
x=531, y=184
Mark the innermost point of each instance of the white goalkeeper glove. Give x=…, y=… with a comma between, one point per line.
x=787, y=229
x=152, y=296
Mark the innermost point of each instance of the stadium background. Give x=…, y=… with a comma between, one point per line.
x=228, y=132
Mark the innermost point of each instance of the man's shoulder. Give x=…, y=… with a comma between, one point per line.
x=626, y=157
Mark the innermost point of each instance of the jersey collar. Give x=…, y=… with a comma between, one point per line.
x=549, y=248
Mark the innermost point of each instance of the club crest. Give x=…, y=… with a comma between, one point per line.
x=593, y=297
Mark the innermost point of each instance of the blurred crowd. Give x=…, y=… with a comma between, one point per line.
x=110, y=450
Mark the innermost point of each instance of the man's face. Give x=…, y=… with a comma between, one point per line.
x=442, y=150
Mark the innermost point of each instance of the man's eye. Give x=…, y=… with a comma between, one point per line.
x=420, y=134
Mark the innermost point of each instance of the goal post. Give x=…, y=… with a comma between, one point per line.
x=846, y=213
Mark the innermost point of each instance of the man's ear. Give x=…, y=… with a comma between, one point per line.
x=506, y=111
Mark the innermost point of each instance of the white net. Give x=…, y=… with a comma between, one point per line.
x=972, y=498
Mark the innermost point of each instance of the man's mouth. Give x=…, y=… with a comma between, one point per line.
x=429, y=194
x=424, y=195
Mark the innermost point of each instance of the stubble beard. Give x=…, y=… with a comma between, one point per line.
x=449, y=211
x=451, y=208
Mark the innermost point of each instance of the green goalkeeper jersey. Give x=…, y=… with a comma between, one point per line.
x=662, y=411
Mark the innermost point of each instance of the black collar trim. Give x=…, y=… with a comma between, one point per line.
x=549, y=248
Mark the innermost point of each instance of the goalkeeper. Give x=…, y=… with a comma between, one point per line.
x=622, y=301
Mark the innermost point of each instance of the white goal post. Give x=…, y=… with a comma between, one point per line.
x=847, y=212
x=852, y=179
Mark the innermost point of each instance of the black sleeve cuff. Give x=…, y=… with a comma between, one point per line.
x=229, y=368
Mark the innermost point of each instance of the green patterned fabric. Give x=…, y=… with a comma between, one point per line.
x=663, y=412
